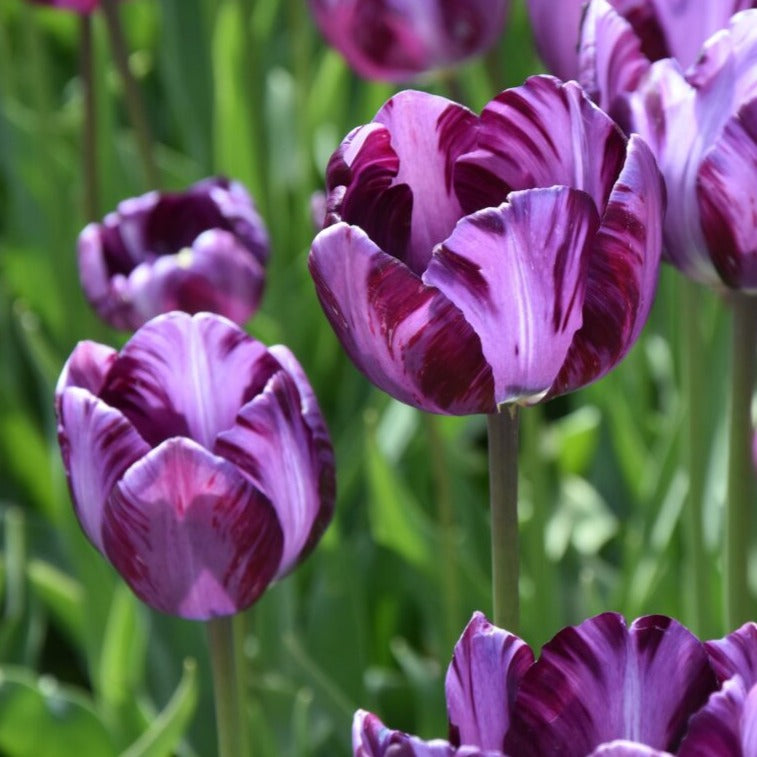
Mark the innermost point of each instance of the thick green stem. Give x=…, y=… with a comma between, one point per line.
x=742, y=485
x=696, y=445
x=229, y=721
x=446, y=521
x=134, y=104
x=89, y=129
x=503, y=497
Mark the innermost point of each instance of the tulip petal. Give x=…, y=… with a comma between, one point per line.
x=406, y=337
x=486, y=669
x=518, y=275
x=538, y=135
x=623, y=748
x=189, y=534
x=97, y=444
x=86, y=367
x=611, y=60
x=182, y=375
x=217, y=274
x=623, y=270
x=736, y=654
x=371, y=738
x=271, y=442
x=556, y=34
x=428, y=133
x=727, y=193
x=602, y=681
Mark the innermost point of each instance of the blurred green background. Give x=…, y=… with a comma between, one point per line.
x=246, y=88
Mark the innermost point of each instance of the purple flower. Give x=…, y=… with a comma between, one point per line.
x=702, y=126
x=203, y=249
x=197, y=459
x=470, y=262
x=649, y=29
x=395, y=40
x=599, y=688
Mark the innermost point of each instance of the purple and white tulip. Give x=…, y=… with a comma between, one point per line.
x=599, y=688
x=396, y=40
x=198, y=461
x=702, y=127
x=474, y=261
x=200, y=250
x=642, y=31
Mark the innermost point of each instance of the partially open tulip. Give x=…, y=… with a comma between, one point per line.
x=599, y=688
x=198, y=461
x=396, y=40
x=702, y=126
x=199, y=250
x=474, y=261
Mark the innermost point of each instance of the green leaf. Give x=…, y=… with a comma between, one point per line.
x=40, y=717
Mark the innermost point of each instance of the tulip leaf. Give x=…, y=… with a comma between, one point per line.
x=166, y=730
x=40, y=717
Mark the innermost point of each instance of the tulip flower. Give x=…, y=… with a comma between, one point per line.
x=469, y=262
x=599, y=688
x=701, y=125
x=198, y=461
x=398, y=40
x=199, y=250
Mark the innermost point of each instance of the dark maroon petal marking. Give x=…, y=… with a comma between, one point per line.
x=602, y=681
x=727, y=195
x=406, y=337
x=622, y=275
x=189, y=534
x=87, y=367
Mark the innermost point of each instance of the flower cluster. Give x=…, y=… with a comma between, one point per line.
x=474, y=261
x=600, y=688
x=198, y=461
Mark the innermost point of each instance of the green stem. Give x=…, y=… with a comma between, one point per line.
x=225, y=686
x=695, y=444
x=446, y=521
x=742, y=486
x=503, y=496
x=89, y=130
x=134, y=103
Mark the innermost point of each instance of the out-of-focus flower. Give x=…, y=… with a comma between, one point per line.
x=199, y=250
x=702, y=126
x=470, y=262
x=396, y=40
x=649, y=29
x=198, y=461
x=599, y=688
x=78, y=6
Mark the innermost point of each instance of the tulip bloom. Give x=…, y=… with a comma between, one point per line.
x=599, y=688
x=702, y=126
x=198, y=461
x=202, y=249
x=470, y=262
x=396, y=40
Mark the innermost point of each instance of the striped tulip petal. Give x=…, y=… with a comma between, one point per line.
x=518, y=275
x=602, y=680
x=486, y=669
x=190, y=534
x=401, y=333
x=726, y=725
x=87, y=367
x=735, y=654
x=622, y=748
x=98, y=444
x=167, y=377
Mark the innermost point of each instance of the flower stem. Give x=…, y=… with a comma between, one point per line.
x=696, y=452
x=503, y=497
x=89, y=130
x=134, y=103
x=225, y=686
x=742, y=484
